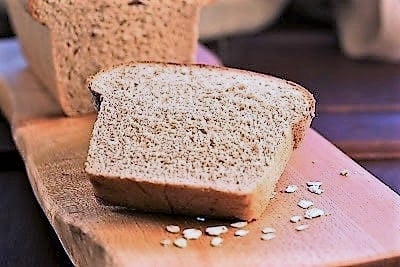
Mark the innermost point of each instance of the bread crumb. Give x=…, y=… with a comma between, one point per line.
x=295, y=219
x=345, y=173
x=173, y=229
x=268, y=236
x=239, y=224
x=313, y=213
x=216, y=241
x=165, y=242
x=200, y=219
x=268, y=230
x=291, y=188
x=305, y=204
x=180, y=242
x=216, y=230
x=241, y=232
x=191, y=234
x=302, y=227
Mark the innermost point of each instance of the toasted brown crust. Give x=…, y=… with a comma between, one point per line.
x=174, y=199
x=190, y=200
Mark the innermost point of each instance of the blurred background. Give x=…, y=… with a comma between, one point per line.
x=345, y=52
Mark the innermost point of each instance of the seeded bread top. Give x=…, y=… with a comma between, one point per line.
x=193, y=125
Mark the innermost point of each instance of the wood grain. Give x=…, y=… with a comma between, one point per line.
x=364, y=135
x=361, y=228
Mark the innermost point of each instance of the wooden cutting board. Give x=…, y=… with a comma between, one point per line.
x=362, y=225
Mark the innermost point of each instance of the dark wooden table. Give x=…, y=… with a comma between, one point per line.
x=359, y=110
x=27, y=238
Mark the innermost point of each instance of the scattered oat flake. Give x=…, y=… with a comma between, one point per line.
x=315, y=190
x=192, y=233
x=295, y=219
x=344, y=172
x=305, y=204
x=216, y=241
x=180, y=242
x=313, y=213
x=241, y=232
x=201, y=219
x=315, y=187
x=239, y=224
x=268, y=236
x=318, y=184
x=173, y=229
x=302, y=227
x=165, y=242
x=216, y=230
x=268, y=230
x=291, y=188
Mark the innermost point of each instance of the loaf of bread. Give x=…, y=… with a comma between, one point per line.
x=194, y=140
x=66, y=41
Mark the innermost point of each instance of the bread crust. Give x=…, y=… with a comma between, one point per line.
x=32, y=6
x=173, y=199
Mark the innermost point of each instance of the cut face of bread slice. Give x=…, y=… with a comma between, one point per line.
x=193, y=139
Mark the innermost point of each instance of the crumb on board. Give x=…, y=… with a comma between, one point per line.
x=268, y=230
x=174, y=229
x=268, y=236
x=305, y=204
x=241, y=232
x=291, y=188
x=240, y=224
x=344, y=172
x=313, y=213
x=295, y=218
x=216, y=241
x=180, y=242
x=165, y=242
x=216, y=230
x=200, y=219
x=302, y=227
x=191, y=233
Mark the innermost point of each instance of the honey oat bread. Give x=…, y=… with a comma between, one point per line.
x=66, y=41
x=193, y=140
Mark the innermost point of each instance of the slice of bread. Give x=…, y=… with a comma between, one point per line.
x=195, y=140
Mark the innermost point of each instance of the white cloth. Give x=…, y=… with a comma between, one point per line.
x=369, y=28
x=366, y=28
